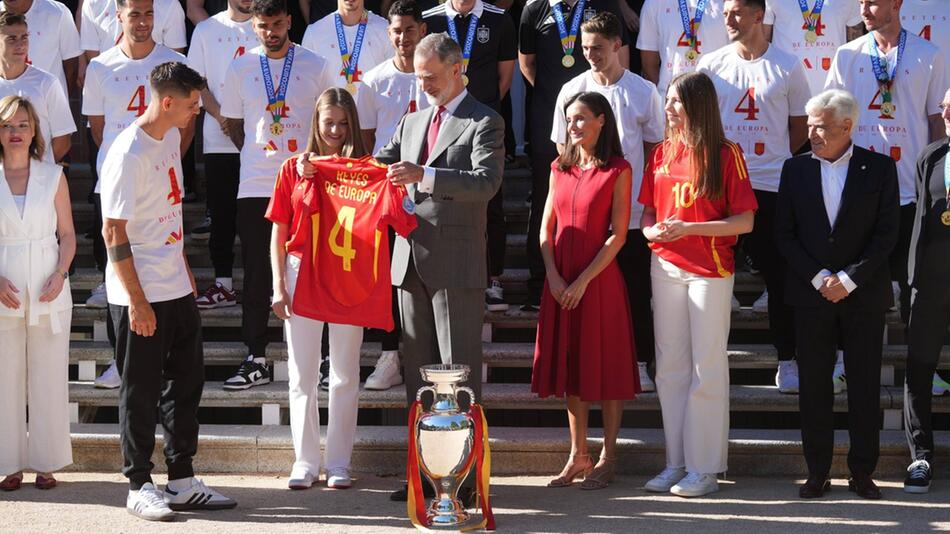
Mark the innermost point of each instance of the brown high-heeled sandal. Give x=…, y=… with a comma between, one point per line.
x=12, y=482
x=601, y=476
x=44, y=482
x=568, y=474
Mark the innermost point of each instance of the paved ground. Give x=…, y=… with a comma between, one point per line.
x=95, y=502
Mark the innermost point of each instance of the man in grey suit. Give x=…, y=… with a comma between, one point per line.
x=451, y=158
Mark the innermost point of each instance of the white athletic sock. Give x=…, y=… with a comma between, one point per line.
x=260, y=360
x=179, y=484
x=227, y=283
x=840, y=358
x=391, y=352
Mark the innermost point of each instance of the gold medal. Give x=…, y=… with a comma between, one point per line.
x=465, y=80
x=888, y=109
x=945, y=218
x=351, y=88
x=692, y=55
x=567, y=61
x=811, y=36
x=276, y=128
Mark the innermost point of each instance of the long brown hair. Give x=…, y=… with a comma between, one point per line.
x=353, y=144
x=9, y=105
x=703, y=132
x=608, y=143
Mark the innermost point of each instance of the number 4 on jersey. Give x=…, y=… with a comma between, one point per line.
x=137, y=103
x=750, y=110
x=345, y=251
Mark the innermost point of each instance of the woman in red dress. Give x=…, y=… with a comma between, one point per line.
x=584, y=348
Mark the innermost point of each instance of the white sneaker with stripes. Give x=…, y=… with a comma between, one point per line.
x=196, y=497
x=147, y=504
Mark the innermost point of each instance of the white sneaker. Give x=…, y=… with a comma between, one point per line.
x=735, y=304
x=109, y=379
x=300, y=479
x=646, y=383
x=386, y=374
x=495, y=297
x=761, y=304
x=696, y=485
x=786, y=378
x=339, y=478
x=665, y=480
x=839, y=379
x=896, y=289
x=940, y=386
x=147, y=504
x=197, y=496
x=98, y=298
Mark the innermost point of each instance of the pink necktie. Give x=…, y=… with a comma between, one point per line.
x=433, y=135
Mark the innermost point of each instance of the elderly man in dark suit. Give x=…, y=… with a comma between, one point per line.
x=836, y=222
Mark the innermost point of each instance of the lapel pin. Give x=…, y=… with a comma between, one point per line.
x=863, y=167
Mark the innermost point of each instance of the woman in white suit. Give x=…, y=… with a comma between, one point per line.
x=35, y=302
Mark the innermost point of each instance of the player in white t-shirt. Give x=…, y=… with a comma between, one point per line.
x=762, y=92
x=665, y=49
x=813, y=35
x=54, y=39
x=100, y=29
x=899, y=117
x=39, y=87
x=215, y=42
x=929, y=19
x=351, y=19
x=151, y=293
x=641, y=123
x=267, y=133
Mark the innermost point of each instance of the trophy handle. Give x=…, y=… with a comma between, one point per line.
x=469, y=391
x=423, y=390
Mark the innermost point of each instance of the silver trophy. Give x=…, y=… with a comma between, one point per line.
x=445, y=441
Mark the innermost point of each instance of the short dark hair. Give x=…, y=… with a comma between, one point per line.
x=269, y=8
x=758, y=4
x=405, y=8
x=605, y=24
x=123, y=3
x=176, y=78
x=8, y=18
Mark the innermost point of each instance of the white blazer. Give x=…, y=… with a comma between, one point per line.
x=29, y=250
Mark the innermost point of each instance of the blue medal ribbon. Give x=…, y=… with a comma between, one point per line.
x=350, y=61
x=879, y=63
x=946, y=175
x=469, y=38
x=275, y=99
x=689, y=24
x=568, y=39
x=811, y=17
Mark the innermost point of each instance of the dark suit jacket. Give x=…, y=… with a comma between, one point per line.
x=861, y=240
x=448, y=247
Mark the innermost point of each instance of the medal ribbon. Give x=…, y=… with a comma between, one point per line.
x=691, y=26
x=275, y=100
x=568, y=39
x=879, y=64
x=946, y=176
x=469, y=38
x=811, y=17
x=350, y=61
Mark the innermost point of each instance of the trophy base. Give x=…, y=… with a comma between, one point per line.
x=447, y=514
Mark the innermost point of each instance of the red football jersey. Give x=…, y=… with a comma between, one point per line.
x=669, y=189
x=338, y=223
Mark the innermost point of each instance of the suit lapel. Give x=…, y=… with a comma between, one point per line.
x=817, y=191
x=852, y=184
x=451, y=129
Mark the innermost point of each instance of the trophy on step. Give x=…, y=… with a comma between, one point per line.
x=445, y=444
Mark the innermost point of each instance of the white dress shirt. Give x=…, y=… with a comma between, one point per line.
x=428, y=173
x=834, y=174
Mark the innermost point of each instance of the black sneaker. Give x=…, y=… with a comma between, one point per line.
x=918, y=477
x=248, y=375
x=325, y=374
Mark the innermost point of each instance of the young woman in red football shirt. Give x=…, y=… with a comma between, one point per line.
x=335, y=131
x=584, y=348
x=697, y=198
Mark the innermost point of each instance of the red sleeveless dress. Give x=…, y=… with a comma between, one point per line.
x=588, y=351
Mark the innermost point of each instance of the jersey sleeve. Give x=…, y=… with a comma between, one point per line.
x=119, y=182
x=649, y=37
x=508, y=46
x=60, y=117
x=798, y=90
x=88, y=30
x=649, y=175
x=196, y=52
x=68, y=36
x=280, y=209
x=654, y=125
x=399, y=211
x=939, y=81
x=526, y=29
x=770, y=13
x=559, y=124
x=735, y=176
x=173, y=33
x=92, y=95
x=853, y=16
x=309, y=40
x=366, y=105
x=232, y=104
x=836, y=76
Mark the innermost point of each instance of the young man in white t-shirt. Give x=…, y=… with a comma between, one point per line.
x=641, y=122
x=115, y=93
x=215, y=42
x=54, y=39
x=665, y=48
x=352, y=26
x=929, y=19
x=762, y=93
x=39, y=87
x=100, y=29
x=900, y=116
x=267, y=134
x=814, y=34
x=152, y=299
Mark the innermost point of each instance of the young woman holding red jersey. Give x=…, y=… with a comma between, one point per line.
x=584, y=347
x=697, y=198
x=335, y=131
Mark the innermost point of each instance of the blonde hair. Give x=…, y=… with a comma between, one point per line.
x=353, y=144
x=9, y=105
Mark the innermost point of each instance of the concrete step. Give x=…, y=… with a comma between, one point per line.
x=381, y=450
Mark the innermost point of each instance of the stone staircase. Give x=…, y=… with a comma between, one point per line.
x=247, y=431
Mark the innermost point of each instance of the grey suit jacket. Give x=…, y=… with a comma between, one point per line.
x=448, y=247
